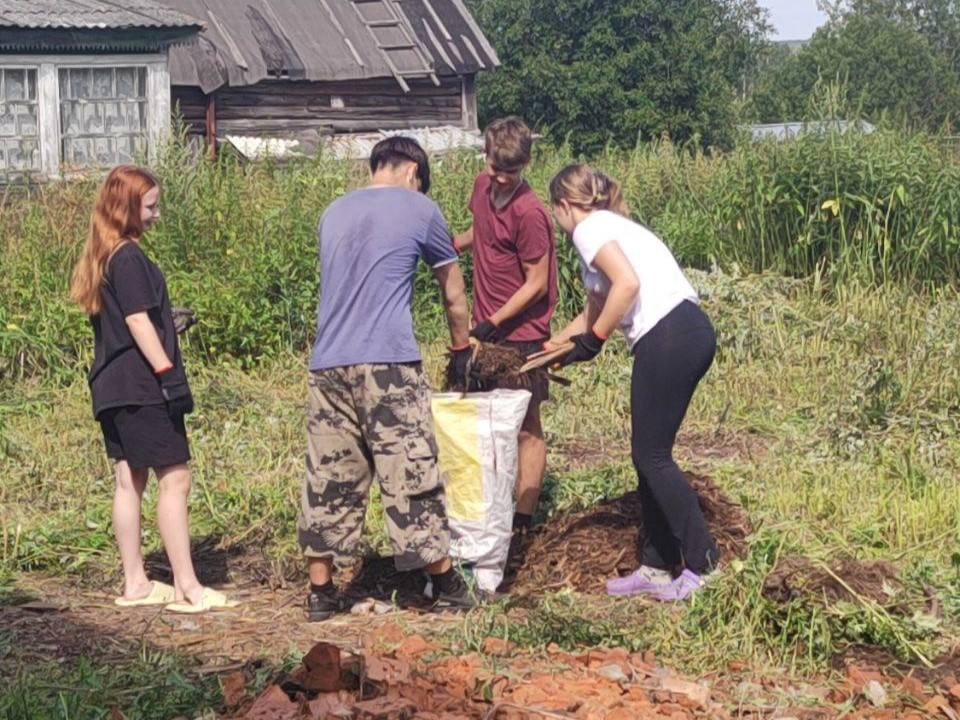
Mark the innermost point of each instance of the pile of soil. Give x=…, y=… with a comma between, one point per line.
x=581, y=549
x=846, y=579
x=492, y=364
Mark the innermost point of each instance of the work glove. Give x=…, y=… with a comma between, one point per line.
x=585, y=347
x=458, y=366
x=176, y=391
x=183, y=319
x=484, y=331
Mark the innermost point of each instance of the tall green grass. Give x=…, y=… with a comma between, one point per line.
x=237, y=241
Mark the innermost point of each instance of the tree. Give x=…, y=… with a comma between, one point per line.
x=936, y=20
x=889, y=55
x=617, y=70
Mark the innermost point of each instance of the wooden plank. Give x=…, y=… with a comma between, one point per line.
x=469, y=101
x=437, y=20
x=477, y=32
x=450, y=114
x=438, y=46
x=158, y=107
x=419, y=50
x=473, y=51
x=210, y=125
x=48, y=95
x=283, y=90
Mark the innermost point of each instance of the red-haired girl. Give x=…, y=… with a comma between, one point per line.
x=139, y=387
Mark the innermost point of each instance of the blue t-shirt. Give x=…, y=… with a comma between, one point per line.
x=370, y=242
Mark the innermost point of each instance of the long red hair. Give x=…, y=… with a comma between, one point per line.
x=115, y=219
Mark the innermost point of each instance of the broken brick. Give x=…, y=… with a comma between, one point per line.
x=913, y=687
x=935, y=703
x=322, y=665
x=234, y=689
x=696, y=695
x=498, y=646
x=385, y=709
x=388, y=670
x=331, y=704
x=272, y=704
x=859, y=677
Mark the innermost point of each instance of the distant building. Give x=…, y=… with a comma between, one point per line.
x=92, y=83
x=781, y=131
x=305, y=70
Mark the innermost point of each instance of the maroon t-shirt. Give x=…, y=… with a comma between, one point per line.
x=520, y=231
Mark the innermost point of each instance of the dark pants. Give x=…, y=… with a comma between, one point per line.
x=668, y=364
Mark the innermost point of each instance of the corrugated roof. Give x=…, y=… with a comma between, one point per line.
x=784, y=130
x=435, y=140
x=247, y=41
x=90, y=15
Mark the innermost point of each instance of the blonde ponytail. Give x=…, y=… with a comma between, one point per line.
x=589, y=189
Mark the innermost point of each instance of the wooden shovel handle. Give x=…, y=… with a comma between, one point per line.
x=545, y=357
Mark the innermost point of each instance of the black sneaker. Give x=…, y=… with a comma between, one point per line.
x=458, y=597
x=320, y=606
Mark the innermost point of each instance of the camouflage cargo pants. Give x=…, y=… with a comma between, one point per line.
x=364, y=420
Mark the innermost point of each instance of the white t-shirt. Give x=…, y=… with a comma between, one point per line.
x=662, y=283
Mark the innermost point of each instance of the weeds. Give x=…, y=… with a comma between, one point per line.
x=845, y=361
x=238, y=244
x=151, y=687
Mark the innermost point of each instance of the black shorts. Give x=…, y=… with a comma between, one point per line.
x=146, y=436
x=535, y=381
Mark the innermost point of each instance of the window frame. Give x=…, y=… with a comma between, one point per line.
x=158, y=107
x=19, y=172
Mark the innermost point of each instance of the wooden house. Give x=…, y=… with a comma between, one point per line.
x=303, y=69
x=92, y=83
x=84, y=82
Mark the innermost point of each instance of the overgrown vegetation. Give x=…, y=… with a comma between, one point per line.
x=839, y=365
x=897, y=59
x=238, y=244
x=599, y=72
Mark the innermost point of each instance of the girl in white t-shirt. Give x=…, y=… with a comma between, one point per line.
x=634, y=283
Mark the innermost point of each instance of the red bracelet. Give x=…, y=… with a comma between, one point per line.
x=458, y=349
x=163, y=369
x=602, y=337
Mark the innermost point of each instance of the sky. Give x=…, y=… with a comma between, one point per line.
x=794, y=19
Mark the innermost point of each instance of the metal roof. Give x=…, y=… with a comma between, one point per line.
x=247, y=41
x=435, y=140
x=90, y=15
x=784, y=130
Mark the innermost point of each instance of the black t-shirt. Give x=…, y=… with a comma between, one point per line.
x=121, y=374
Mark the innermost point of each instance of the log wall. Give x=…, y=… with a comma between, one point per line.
x=308, y=110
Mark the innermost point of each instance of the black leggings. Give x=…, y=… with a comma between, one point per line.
x=668, y=363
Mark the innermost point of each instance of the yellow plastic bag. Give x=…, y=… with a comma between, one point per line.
x=477, y=439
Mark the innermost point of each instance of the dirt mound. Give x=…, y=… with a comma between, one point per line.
x=580, y=550
x=492, y=363
x=846, y=579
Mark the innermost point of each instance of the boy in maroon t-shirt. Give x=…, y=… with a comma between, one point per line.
x=514, y=281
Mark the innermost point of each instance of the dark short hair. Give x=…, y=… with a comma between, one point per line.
x=393, y=151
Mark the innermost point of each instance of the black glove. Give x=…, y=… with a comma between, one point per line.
x=457, y=367
x=585, y=347
x=183, y=319
x=176, y=391
x=484, y=331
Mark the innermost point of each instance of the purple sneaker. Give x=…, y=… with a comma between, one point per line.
x=680, y=589
x=645, y=579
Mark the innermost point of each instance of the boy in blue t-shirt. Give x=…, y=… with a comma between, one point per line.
x=369, y=402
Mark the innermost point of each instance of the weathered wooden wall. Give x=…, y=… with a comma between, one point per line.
x=307, y=110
